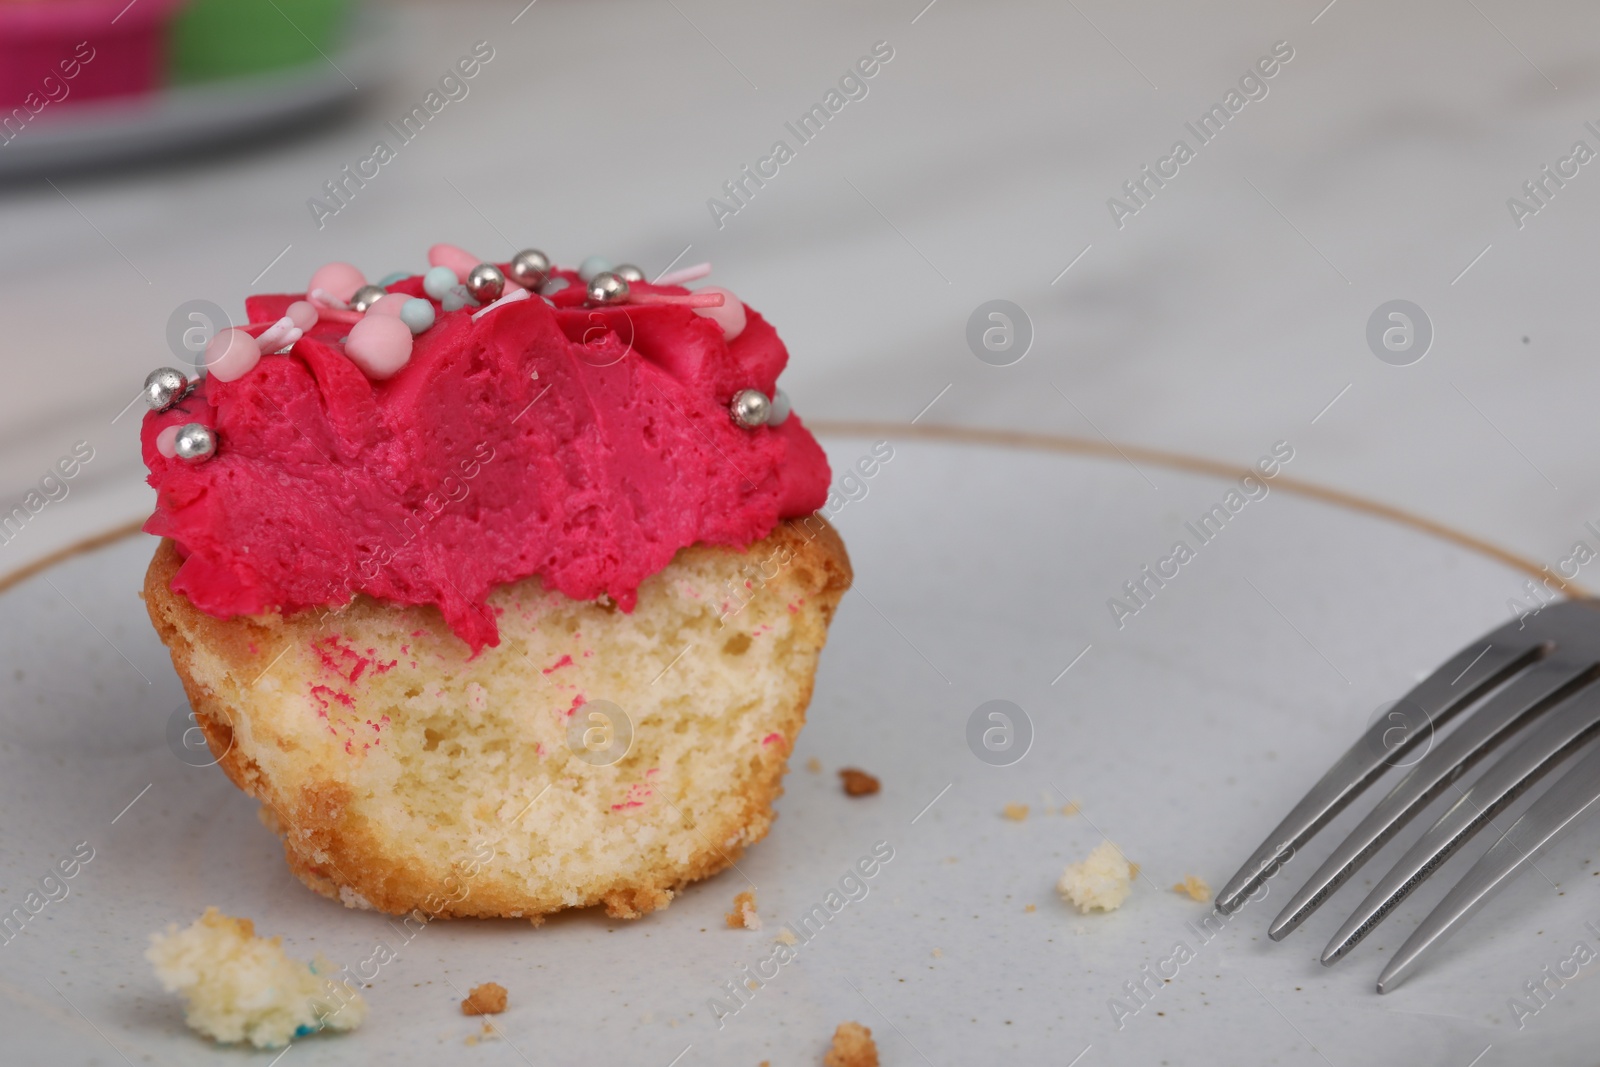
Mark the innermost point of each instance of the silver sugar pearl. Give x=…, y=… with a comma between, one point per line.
x=366, y=296
x=164, y=387
x=195, y=442
x=530, y=267
x=628, y=272
x=608, y=288
x=486, y=283
x=750, y=408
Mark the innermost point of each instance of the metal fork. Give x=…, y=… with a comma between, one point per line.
x=1527, y=685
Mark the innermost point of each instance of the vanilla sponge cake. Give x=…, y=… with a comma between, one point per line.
x=241, y=987
x=403, y=772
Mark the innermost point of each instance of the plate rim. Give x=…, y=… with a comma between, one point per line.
x=1022, y=440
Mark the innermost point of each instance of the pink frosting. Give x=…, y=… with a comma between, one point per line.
x=583, y=445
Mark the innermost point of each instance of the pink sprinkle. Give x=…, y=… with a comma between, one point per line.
x=730, y=315
x=457, y=259
x=652, y=770
x=564, y=661
x=770, y=738
x=231, y=354
x=338, y=280
x=379, y=345
x=303, y=314
x=167, y=441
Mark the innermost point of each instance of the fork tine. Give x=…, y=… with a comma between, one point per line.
x=1460, y=681
x=1504, y=712
x=1574, y=793
x=1552, y=739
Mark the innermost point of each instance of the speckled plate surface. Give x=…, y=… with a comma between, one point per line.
x=984, y=574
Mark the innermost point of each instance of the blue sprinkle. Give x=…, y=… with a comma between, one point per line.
x=302, y=1030
x=417, y=314
x=455, y=298
x=554, y=285
x=593, y=265
x=438, y=281
x=390, y=279
x=781, y=408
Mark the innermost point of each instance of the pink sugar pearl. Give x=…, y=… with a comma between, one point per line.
x=303, y=313
x=457, y=259
x=380, y=345
x=338, y=280
x=730, y=316
x=231, y=354
x=167, y=442
x=389, y=304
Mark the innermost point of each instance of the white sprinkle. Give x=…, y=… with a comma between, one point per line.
x=510, y=298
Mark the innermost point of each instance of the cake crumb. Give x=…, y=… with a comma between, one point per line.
x=240, y=987
x=1194, y=888
x=1100, y=883
x=1031, y=908
x=1016, y=812
x=937, y=953
x=786, y=935
x=1070, y=809
x=744, y=912
x=858, y=783
x=852, y=1047
x=814, y=765
x=486, y=999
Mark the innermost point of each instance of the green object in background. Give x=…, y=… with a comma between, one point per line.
x=212, y=39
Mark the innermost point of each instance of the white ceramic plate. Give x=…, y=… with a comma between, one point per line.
x=984, y=572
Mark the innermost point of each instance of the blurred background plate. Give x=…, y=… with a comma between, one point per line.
x=984, y=574
x=200, y=115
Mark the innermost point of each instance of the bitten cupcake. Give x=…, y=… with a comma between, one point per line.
x=500, y=586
